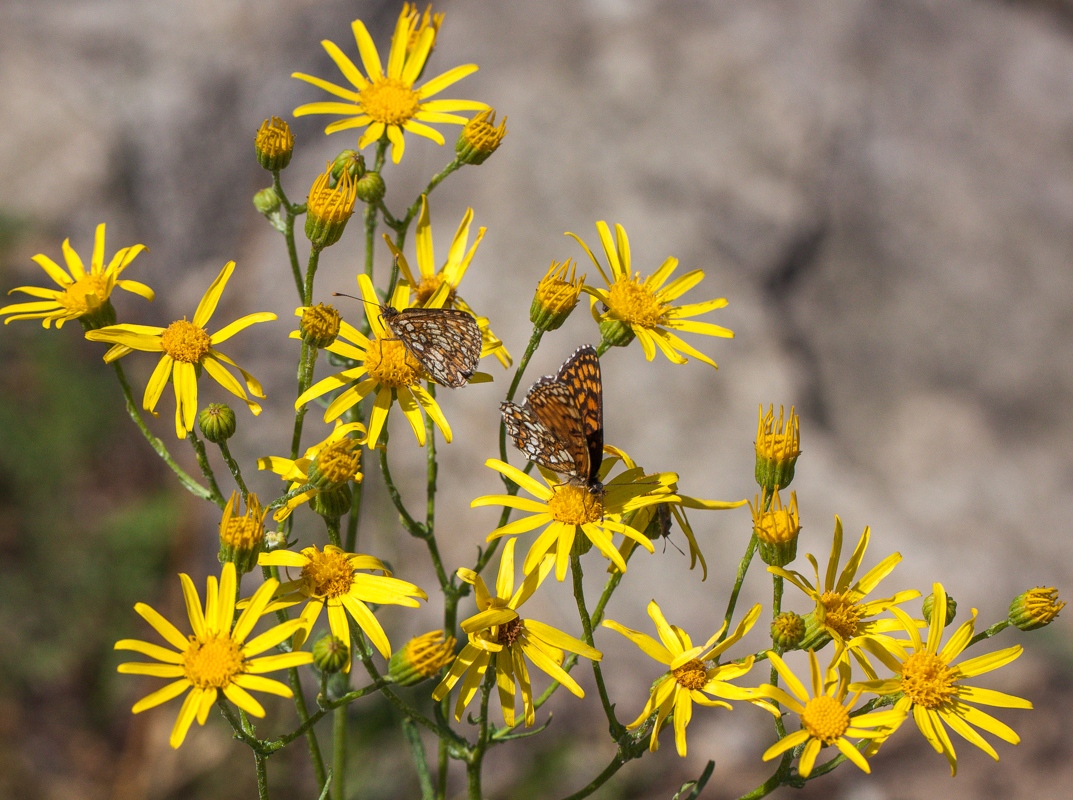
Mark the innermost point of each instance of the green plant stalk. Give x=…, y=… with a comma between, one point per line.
x=339, y=752
x=995, y=629
x=602, y=348
x=356, y=494
x=476, y=759
x=616, y=764
x=617, y=730
x=288, y=233
x=161, y=449
x=332, y=523
x=743, y=567
x=236, y=472
x=306, y=725
x=370, y=210
x=306, y=364
x=417, y=752
x=413, y=527
x=206, y=468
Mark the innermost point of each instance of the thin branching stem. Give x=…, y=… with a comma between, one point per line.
x=206, y=468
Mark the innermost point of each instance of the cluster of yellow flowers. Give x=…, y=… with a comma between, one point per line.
x=416, y=327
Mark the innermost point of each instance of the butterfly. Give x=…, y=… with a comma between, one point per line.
x=561, y=424
x=445, y=341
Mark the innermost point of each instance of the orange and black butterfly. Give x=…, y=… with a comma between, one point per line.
x=561, y=424
x=445, y=341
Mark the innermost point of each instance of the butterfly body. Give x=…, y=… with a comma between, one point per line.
x=561, y=424
x=446, y=342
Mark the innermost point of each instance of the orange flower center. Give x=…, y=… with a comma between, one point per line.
x=575, y=505
x=843, y=615
x=691, y=675
x=389, y=101
x=927, y=680
x=509, y=632
x=390, y=364
x=328, y=574
x=213, y=662
x=185, y=341
x=339, y=461
x=825, y=718
x=243, y=533
x=631, y=300
x=428, y=286
x=85, y=295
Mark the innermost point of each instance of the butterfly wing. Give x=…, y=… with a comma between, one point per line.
x=581, y=375
x=446, y=342
x=553, y=404
x=534, y=440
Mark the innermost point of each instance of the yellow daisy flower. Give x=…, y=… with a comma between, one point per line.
x=385, y=367
x=840, y=612
x=497, y=630
x=660, y=514
x=689, y=678
x=825, y=716
x=567, y=509
x=186, y=346
x=932, y=688
x=451, y=273
x=327, y=466
x=215, y=657
x=635, y=306
x=386, y=101
x=330, y=578
x=82, y=294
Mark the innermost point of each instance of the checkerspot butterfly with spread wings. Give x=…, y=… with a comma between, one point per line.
x=561, y=424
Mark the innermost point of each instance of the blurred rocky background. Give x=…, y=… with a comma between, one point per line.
x=882, y=188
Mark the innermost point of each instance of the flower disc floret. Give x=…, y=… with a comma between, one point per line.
x=927, y=681
x=328, y=574
x=319, y=325
x=691, y=675
x=337, y=463
x=185, y=341
x=825, y=718
x=631, y=301
x=390, y=364
x=841, y=614
x=390, y=101
x=213, y=663
x=575, y=505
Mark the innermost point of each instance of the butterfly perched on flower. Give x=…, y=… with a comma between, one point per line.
x=561, y=424
x=446, y=342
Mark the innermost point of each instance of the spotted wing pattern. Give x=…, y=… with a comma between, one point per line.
x=560, y=426
x=446, y=342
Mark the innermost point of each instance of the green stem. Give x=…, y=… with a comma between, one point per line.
x=356, y=493
x=206, y=468
x=586, y=626
x=262, y=776
x=616, y=764
x=433, y=470
x=332, y=524
x=476, y=760
x=236, y=473
x=743, y=567
x=307, y=726
x=441, y=791
x=311, y=272
x=997, y=628
x=413, y=527
x=306, y=363
x=339, y=753
x=288, y=233
x=370, y=211
x=161, y=449
x=417, y=752
x=602, y=347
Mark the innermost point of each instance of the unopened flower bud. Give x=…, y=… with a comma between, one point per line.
x=267, y=201
x=929, y=604
x=787, y=630
x=330, y=654
x=274, y=144
x=556, y=295
x=776, y=529
x=332, y=503
x=319, y=325
x=371, y=188
x=241, y=535
x=777, y=449
x=816, y=636
x=217, y=422
x=421, y=658
x=328, y=209
x=480, y=137
x=349, y=161
x=616, y=332
x=1035, y=608
x=336, y=464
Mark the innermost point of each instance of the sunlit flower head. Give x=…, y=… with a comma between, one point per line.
x=421, y=658
x=480, y=137
x=83, y=294
x=326, y=466
x=694, y=673
x=385, y=368
x=632, y=306
x=215, y=657
x=498, y=632
x=565, y=509
x=185, y=346
x=825, y=715
x=654, y=520
x=778, y=445
x=556, y=295
x=331, y=577
x=841, y=612
x=1035, y=608
x=385, y=101
x=425, y=285
x=241, y=534
x=931, y=684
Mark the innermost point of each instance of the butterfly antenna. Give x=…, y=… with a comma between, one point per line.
x=352, y=297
